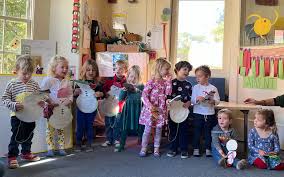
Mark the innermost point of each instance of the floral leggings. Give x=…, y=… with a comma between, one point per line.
x=146, y=136
x=50, y=137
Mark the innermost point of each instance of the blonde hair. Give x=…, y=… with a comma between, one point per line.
x=135, y=69
x=160, y=63
x=25, y=63
x=228, y=112
x=54, y=61
x=89, y=62
x=268, y=116
x=123, y=63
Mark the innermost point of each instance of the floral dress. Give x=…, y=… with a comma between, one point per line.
x=155, y=94
x=269, y=144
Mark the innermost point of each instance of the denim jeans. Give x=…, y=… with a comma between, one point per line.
x=85, y=126
x=204, y=124
x=22, y=133
x=113, y=128
x=217, y=156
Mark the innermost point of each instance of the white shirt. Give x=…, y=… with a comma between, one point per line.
x=204, y=108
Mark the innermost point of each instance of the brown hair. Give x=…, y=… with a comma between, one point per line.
x=136, y=69
x=123, y=63
x=89, y=62
x=25, y=63
x=205, y=69
x=54, y=61
x=228, y=112
x=182, y=64
x=268, y=116
x=160, y=63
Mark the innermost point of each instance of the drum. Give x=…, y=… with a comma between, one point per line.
x=32, y=111
x=109, y=106
x=232, y=145
x=86, y=101
x=178, y=113
x=61, y=117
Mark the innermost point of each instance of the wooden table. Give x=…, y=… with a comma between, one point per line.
x=244, y=108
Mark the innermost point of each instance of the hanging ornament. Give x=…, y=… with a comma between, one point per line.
x=75, y=26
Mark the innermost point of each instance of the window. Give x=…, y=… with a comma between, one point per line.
x=15, y=24
x=201, y=32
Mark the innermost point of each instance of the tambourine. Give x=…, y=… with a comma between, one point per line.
x=86, y=101
x=32, y=111
x=61, y=117
x=178, y=113
x=109, y=106
x=114, y=91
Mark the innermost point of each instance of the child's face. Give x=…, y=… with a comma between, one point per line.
x=61, y=69
x=165, y=71
x=90, y=72
x=24, y=76
x=132, y=78
x=182, y=73
x=120, y=70
x=201, y=77
x=259, y=121
x=224, y=121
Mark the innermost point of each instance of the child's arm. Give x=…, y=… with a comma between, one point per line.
x=168, y=87
x=146, y=93
x=251, y=144
x=216, y=97
x=99, y=91
x=234, y=134
x=194, y=96
x=122, y=95
x=276, y=144
x=7, y=98
x=216, y=143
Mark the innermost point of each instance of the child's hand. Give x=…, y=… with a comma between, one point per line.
x=211, y=102
x=66, y=102
x=19, y=106
x=169, y=77
x=200, y=99
x=41, y=103
x=99, y=94
x=261, y=152
x=124, y=89
x=222, y=153
x=77, y=92
x=168, y=102
x=187, y=104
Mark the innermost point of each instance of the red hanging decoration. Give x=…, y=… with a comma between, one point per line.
x=276, y=63
x=267, y=66
x=257, y=61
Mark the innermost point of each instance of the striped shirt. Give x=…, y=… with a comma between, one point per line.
x=15, y=92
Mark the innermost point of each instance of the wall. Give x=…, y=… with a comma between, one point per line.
x=41, y=20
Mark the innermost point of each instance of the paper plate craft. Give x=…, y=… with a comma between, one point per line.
x=209, y=95
x=86, y=101
x=178, y=113
x=115, y=91
x=32, y=111
x=231, y=146
x=109, y=106
x=61, y=117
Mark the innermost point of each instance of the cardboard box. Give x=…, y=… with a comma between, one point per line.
x=122, y=48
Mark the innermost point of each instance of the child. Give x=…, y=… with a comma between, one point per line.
x=133, y=104
x=179, y=132
x=112, y=124
x=221, y=134
x=16, y=90
x=204, y=97
x=56, y=80
x=263, y=142
x=154, y=112
x=90, y=74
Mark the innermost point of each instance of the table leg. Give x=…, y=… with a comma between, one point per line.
x=245, y=112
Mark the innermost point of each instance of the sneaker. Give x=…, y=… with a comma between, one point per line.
x=116, y=144
x=242, y=164
x=143, y=153
x=157, y=153
x=119, y=149
x=89, y=148
x=13, y=163
x=30, y=157
x=171, y=153
x=106, y=144
x=196, y=153
x=77, y=148
x=62, y=152
x=184, y=155
x=208, y=153
x=222, y=162
x=50, y=153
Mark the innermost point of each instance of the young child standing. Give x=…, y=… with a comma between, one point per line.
x=204, y=97
x=221, y=134
x=263, y=142
x=179, y=132
x=133, y=105
x=56, y=80
x=89, y=74
x=112, y=124
x=16, y=90
x=154, y=112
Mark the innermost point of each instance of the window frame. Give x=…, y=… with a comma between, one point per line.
x=28, y=20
